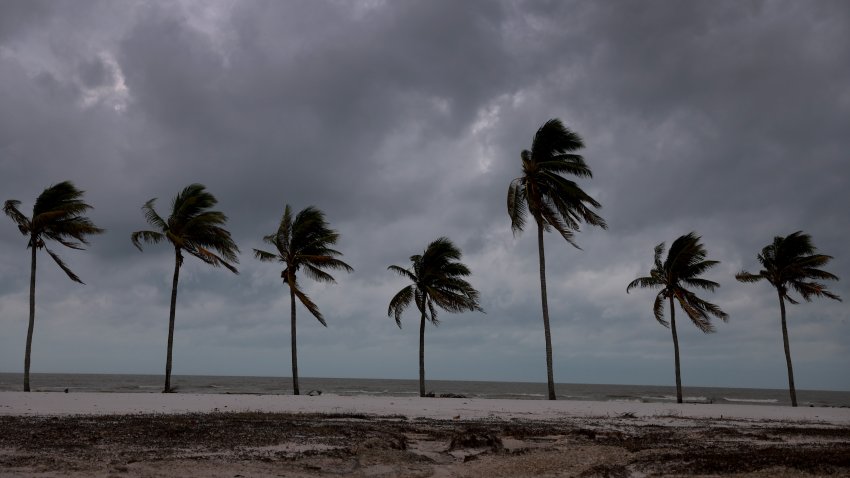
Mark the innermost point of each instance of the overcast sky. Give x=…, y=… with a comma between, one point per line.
x=404, y=121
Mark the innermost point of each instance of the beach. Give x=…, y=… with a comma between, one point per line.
x=229, y=435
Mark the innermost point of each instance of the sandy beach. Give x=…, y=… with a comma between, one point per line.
x=114, y=434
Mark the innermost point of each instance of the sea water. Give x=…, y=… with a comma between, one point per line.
x=49, y=382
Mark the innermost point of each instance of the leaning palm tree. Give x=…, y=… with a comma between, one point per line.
x=192, y=228
x=552, y=200
x=307, y=242
x=791, y=262
x=58, y=215
x=437, y=277
x=684, y=264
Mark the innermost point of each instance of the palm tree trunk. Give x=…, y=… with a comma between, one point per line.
x=178, y=261
x=422, y=355
x=31, y=321
x=295, y=390
x=676, y=352
x=787, y=352
x=549, y=374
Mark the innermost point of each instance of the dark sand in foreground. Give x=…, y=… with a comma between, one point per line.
x=321, y=445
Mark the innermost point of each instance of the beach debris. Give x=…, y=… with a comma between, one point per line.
x=314, y=393
x=452, y=395
x=606, y=471
x=470, y=438
x=258, y=444
x=384, y=441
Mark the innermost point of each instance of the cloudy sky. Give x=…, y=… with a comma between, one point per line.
x=404, y=121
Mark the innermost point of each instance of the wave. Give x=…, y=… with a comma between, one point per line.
x=751, y=400
x=623, y=398
x=364, y=392
x=672, y=398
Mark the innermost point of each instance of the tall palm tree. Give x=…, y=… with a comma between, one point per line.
x=58, y=215
x=684, y=264
x=307, y=242
x=192, y=228
x=791, y=262
x=438, y=281
x=552, y=200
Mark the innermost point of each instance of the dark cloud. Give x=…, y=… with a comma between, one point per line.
x=404, y=122
x=19, y=16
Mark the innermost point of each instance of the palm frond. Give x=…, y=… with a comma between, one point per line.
x=71, y=227
x=454, y=301
x=656, y=256
x=572, y=164
x=265, y=256
x=554, y=138
x=284, y=230
x=400, y=301
x=65, y=242
x=813, y=273
x=682, y=252
x=552, y=219
x=808, y=290
x=402, y=272
x=10, y=208
x=149, y=237
x=190, y=202
x=698, y=316
x=700, y=283
x=308, y=304
x=658, y=309
x=516, y=203
x=210, y=258
x=644, y=283
x=317, y=274
x=569, y=193
x=152, y=217
x=64, y=267
x=432, y=316
x=64, y=197
x=745, y=276
x=326, y=262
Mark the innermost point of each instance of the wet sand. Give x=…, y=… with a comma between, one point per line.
x=434, y=437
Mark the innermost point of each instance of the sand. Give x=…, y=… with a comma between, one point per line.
x=112, y=434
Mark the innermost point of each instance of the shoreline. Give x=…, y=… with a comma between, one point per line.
x=100, y=403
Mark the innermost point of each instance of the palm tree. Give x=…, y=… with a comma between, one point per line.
x=437, y=277
x=552, y=200
x=193, y=228
x=304, y=243
x=58, y=215
x=791, y=262
x=684, y=264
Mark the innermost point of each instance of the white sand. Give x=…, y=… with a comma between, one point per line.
x=52, y=403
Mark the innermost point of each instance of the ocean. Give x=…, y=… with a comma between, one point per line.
x=58, y=382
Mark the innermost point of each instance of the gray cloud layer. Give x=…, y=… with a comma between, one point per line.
x=404, y=122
